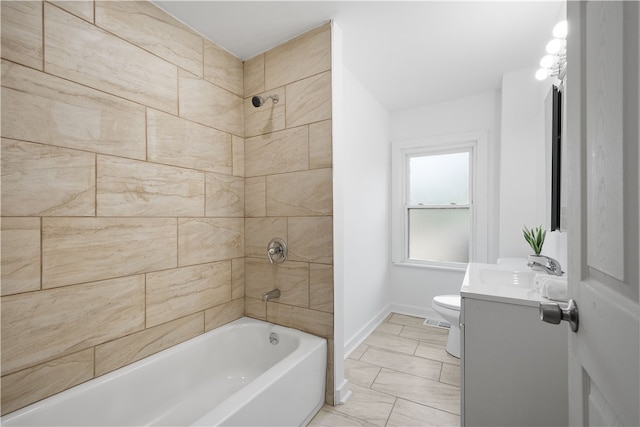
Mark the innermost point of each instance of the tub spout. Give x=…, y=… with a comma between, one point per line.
x=270, y=295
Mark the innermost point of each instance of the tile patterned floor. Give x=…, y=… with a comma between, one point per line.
x=400, y=375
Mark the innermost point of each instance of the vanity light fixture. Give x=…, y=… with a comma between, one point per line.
x=560, y=31
x=554, y=64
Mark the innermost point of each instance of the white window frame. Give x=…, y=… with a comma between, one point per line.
x=476, y=144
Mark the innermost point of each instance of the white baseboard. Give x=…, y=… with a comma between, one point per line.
x=413, y=311
x=342, y=393
x=353, y=342
x=366, y=330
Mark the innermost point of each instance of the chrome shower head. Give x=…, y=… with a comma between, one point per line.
x=259, y=101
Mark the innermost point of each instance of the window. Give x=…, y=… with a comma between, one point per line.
x=439, y=195
x=438, y=207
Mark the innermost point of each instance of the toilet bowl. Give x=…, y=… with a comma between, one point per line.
x=448, y=306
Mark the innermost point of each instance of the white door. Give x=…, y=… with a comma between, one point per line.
x=602, y=95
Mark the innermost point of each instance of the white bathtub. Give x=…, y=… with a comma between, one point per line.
x=232, y=375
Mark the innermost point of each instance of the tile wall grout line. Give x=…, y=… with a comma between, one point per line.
x=146, y=133
x=43, y=35
x=178, y=90
x=95, y=185
x=145, y=302
x=41, y=252
x=116, y=156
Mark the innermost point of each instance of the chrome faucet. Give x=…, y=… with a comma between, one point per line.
x=546, y=263
x=275, y=293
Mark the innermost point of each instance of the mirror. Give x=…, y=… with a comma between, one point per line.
x=553, y=131
x=556, y=157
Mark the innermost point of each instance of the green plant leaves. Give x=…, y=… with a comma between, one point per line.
x=535, y=238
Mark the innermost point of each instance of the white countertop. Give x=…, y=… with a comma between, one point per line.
x=500, y=283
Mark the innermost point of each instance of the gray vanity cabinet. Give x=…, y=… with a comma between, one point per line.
x=514, y=366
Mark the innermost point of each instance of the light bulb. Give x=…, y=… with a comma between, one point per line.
x=548, y=61
x=554, y=46
x=561, y=30
x=542, y=74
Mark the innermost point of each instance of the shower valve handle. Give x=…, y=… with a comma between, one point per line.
x=277, y=250
x=273, y=251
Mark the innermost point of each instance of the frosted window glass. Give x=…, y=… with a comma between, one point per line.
x=440, y=179
x=439, y=234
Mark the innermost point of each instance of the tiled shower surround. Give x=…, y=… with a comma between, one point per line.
x=140, y=188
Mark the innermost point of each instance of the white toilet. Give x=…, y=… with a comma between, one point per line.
x=448, y=306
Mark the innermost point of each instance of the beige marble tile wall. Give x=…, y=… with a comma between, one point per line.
x=122, y=190
x=288, y=188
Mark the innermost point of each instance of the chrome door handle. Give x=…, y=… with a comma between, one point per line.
x=552, y=312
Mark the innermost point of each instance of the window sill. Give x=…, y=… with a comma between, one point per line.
x=462, y=267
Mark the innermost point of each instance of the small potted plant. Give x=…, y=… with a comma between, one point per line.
x=535, y=239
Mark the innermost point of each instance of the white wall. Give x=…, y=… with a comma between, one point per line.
x=364, y=155
x=361, y=191
x=523, y=171
x=340, y=385
x=413, y=288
